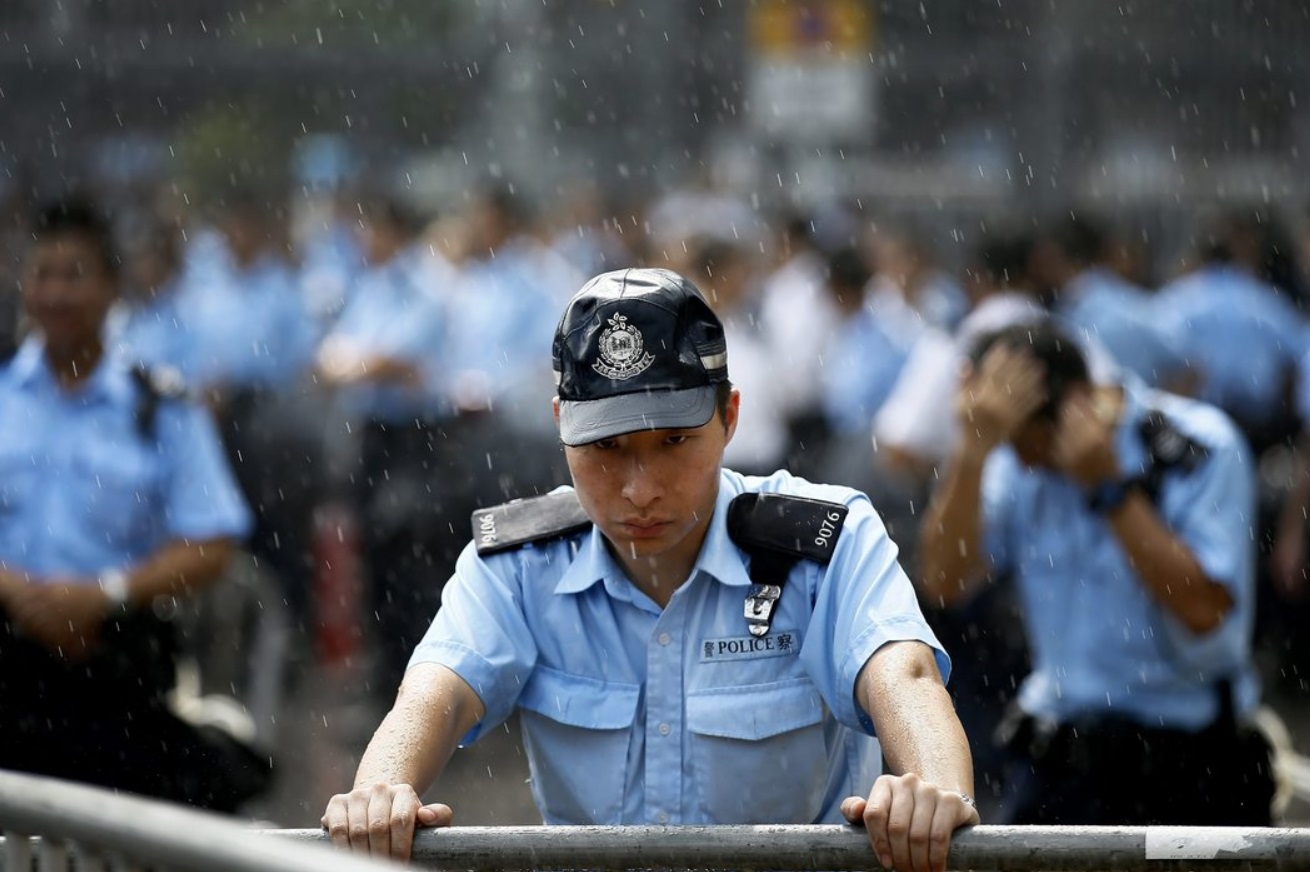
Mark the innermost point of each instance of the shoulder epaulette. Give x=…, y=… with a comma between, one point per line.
x=799, y=527
x=1167, y=448
x=778, y=531
x=157, y=384
x=534, y=519
x=165, y=382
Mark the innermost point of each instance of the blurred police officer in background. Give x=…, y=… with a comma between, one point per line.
x=1125, y=516
x=115, y=499
x=384, y=358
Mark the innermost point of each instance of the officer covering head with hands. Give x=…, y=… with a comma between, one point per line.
x=1124, y=515
x=686, y=645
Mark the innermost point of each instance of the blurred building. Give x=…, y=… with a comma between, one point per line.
x=946, y=111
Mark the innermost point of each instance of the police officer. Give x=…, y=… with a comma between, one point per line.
x=383, y=358
x=685, y=644
x=114, y=499
x=1124, y=515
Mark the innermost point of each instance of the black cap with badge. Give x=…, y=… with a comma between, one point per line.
x=637, y=349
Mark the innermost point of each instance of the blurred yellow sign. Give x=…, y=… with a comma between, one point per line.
x=810, y=75
x=791, y=27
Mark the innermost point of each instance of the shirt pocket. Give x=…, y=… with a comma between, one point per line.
x=18, y=482
x=116, y=489
x=578, y=730
x=759, y=753
x=20, y=502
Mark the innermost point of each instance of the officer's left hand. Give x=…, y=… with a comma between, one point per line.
x=1084, y=441
x=63, y=616
x=910, y=821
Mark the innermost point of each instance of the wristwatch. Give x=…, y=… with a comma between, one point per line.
x=114, y=584
x=1110, y=495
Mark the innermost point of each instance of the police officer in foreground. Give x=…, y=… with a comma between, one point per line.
x=1124, y=515
x=685, y=645
x=114, y=499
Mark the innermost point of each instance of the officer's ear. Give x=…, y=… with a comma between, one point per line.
x=731, y=409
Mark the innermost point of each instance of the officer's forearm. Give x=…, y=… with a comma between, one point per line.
x=179, y=567
x=950, y=555
x=433, y=710
x=1167, y=567
x=917, y=726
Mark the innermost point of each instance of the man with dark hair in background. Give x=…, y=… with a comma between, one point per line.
x=115, y=499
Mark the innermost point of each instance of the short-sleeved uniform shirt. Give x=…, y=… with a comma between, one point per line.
x=83, y=490
x=632, y=714
x=1101, y=645
x=397, y=310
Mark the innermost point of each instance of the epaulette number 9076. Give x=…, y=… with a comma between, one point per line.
x=827, y=529
x=487, y=524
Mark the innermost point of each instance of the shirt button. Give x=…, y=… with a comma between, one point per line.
x=665, y=729
x=662, y=817
x=665, y=638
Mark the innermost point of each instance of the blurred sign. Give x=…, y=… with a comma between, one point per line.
x=810, y=71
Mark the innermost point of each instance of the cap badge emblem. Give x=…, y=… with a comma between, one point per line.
x=621, y=351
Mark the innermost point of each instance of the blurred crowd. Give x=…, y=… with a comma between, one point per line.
x=394, y=365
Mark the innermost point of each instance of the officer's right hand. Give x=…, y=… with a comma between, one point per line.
x=380, y=820
x=998, y=396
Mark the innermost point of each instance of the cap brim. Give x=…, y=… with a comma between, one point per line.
x=583, y=421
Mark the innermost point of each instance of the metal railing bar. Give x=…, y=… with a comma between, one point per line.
x=18, y=850
x=846, y=849
x=51, y=856
x=149, y=833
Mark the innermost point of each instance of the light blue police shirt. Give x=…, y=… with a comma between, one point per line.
x=1239, y=333
x=861, y=368
x=253, y=328
x=632, y=714
x=157, y=331
x=82, y=491
x=394, y=311
x=1101, y=645
x=1100, y=304
x=504, y=317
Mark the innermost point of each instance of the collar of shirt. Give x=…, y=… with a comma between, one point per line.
x=108, y=383
x=719, y=557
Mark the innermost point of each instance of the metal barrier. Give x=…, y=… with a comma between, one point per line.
x=52, y=826
x=846, y=849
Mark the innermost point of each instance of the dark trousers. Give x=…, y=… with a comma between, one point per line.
x=1115, y=772
x=278, y=465
x=102, y=721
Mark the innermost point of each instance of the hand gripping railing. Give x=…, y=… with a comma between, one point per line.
x=846, y=849
x=53, y=826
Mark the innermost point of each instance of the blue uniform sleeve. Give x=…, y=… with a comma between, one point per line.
x=1212, y=510
x=480, y=634
x=863, y=601
x=1302, y=397
x=201, y=498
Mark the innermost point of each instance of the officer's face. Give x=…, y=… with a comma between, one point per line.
x=1034, y=442
x=652, y=493
x=67, y=289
